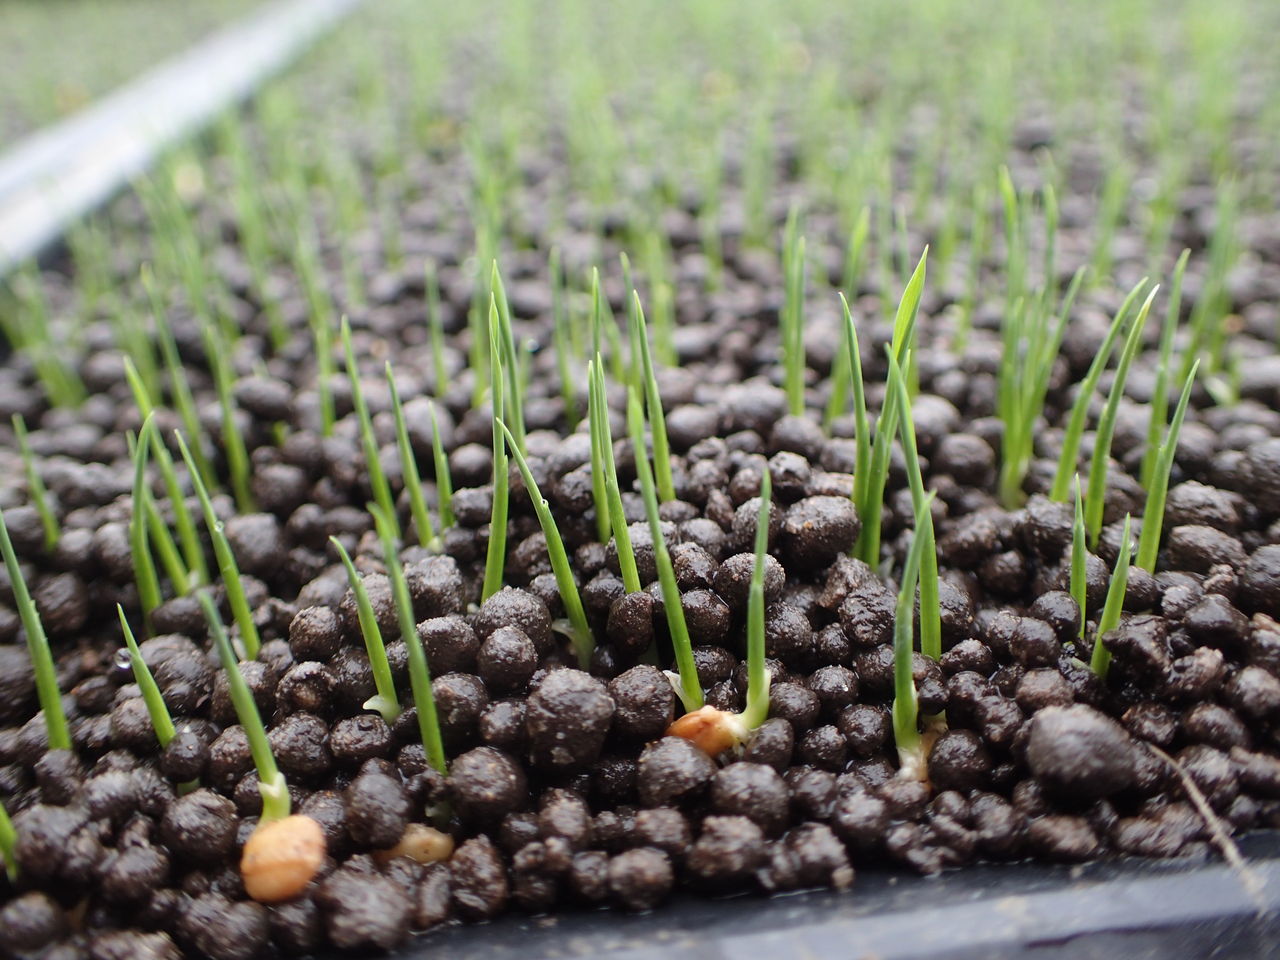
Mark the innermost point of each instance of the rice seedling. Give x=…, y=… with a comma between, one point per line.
x=409, y=470
x=36, y=491
x=285, y=851
x=55, y=720
x=157, y=710
x=1074, y=431
x=1015, y=252
x=792, y=317
x=911, y=744
x=227, y=568
x=1078, y=583
x=687, y=686
x=513, y=394
x=579, y=630
x=27, y=329
x=646, y=381
x=1096, y=491
x=218, y=352
x=378, y=482
x=596, y=412
x=1031, y=341
x=385, y=701
x=444, y=480
x=183, y=521
x=1158, y=488
x=1111, y=202
x=563, y=340
x=496, y=556
x=419, y=673
x=602, y=440
x=1164, y=367
x=306, y=263
x=8, y=845
x=1100, y=662
x=1208, y=332
x=144, y=569
x=930, y=605
x=657, y=265
x=715, y=730
x=850, y=369
x=179, y=389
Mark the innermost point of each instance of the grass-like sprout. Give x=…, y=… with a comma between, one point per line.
x=1031, y=344
x=55, y=720
x=409, y=470
x=444, y=479
x=184, y=402
x=579, y=630
x=496, y=556
x=855, y=252
x=27, y=329
x=1096, y=491
x=646, y=380
x=227, y=568
x=1110, y=619
x=284, y=853
x=419, y=672
x=715, y=730
x=161, y=539
x=36, y=490
x=385, y=700
x=1079, y=585
x=1015, y=255
x=1164, y=368
x=690, y=688
x=513, y=395
x=562, y=339
x=792, y=318
x=596, y=411
x=306, y=262
x=218, y=351
x=1158, y=488
x=192, y=551
x=271, y=782
x=912, y=749
x=1074, y=432
x=157, y=710
x=144, y=568
x=861, y=425
x=868, y=490
x=378, y=482
x=602, y=439
x=930, y=603
x=8, y=845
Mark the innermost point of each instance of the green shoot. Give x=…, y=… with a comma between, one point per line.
x=35, y=485
x=1158, y=489
x=306, y=261
x=444, y=480
x=562, y=339
x=792, y=319
x=271, y=782
x=580, y=632
x=599, y=483
x=217, y=350
x=151, y=696
x=1031, y=345
x=144, y=568
x=227, y=568
x=496, y=557
x=419, y=672
x=904, y=323
x=55, y=719
x=180, y=390
x=8, y=845
x=855, y=253
x=647, y=380
x=689, y=689
x=513, y=393
x=602, y=437
x=1160, y=392
x=1080, y=408
x=1079, y=557
x=861, y=425
x=1096, y=491
x=930, y=604
x=378, y=482
x=1110, y=619
x=161, y=539
x=192, y=551
x=435, y=324
x=906, y=702
x=384, y=701
x=757, y=677
x=409, y=468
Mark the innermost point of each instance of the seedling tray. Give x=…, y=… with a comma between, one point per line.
x=1124, y=908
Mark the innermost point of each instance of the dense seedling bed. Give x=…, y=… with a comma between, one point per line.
x=539, y=461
